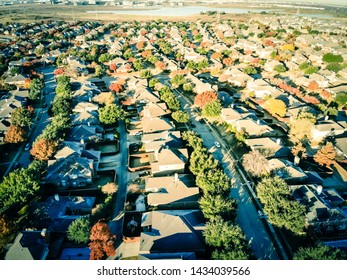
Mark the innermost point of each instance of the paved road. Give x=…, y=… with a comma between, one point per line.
x=116, y=225
x=41, y=119
x=247, y=216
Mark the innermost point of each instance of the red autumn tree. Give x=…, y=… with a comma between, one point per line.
x=204, y=98
x=116, y=87
x=15, y=134
x=102, y=241
x=58, y=71
x=326, y=95
x=146, y=53
x=113, y=67
x=140, y=45
x=43, y=149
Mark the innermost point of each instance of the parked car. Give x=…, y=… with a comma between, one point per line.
x=27, y=147
x=138, y=133
x=261, y=214
x=217, y=144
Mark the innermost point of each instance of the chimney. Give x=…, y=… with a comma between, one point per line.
x=326, y=118
x=278, y=141
x=156, y=152
x=43, y=232
x=56, y=197
x=176, y=178
x=319, y=190
x=258, y=121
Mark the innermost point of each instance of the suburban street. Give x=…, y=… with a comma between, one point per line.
x=40, y=121
x=247, y=215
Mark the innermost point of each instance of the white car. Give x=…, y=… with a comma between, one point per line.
x=217, y=144
x=27, y=147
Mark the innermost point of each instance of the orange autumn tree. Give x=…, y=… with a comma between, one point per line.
x=113, y=67
x=228, y=61
x=116, y=87
x=160, y=65
x=326, y=155
x=43, y=149
x=204, y=98
x=102, y=241
x=15, y=134
x=216, y=56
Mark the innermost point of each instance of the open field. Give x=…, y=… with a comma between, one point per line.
x=35, y=12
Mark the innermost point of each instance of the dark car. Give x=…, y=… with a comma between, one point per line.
x=192, y=125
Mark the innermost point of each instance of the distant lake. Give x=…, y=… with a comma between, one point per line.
x=195, y=10
x=177, y=11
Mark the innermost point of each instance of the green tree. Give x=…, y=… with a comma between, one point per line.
x=17, y=188
x=193, y=140
x=311, y=70
x=61, y=106
x=319, y=252
x=99, y=71
x=188, y=87
x=21, y=117
x=146, y=74
x=341, y=99
x=279, y=206
x=250, y=70
x=218, y=205
x=79, y=230
x=14, y=71
x=230, y=254
x=331, y=58
x=138, y=64
x=152, y=82
x=214, y=182
x=110, y=114
x=280, y=68
x=212, y=109
x=201, y=161
x=178, y=80
x=180, y=116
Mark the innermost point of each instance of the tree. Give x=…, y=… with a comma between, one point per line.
x=15, y=134
x=116, y=87
x=214, y=182
x=188, y=87
x=301, y=127
x=180, y=116
x=178, y=80
x=109, y=188
x=99, y=71
x=152, y=82
x=21, y=117
x=18, y=187
x=14, y=71
x=113, y=67
x=35, y=87
x=79, y=230
x=212, y=109
x=280, y=68
x=299, y=150
x=313, y=86
x=319, y=252
x=326, y=155
x=110, y=114
x=219, y=233
x=228, y=61
x=255, y=163
x=250, y=70
x=311, y=70
x=341, y=99
x=61, y=106
x=279, y=206
x=201, y=161
x=206, y=97
x=7, y=231
x=104, y=98
x=102, y=241
x=138, y=64
x=330, y=58
x=217, y=205
x=146, y=74
x=275, y=107
x=228, y=254
x=43, y=149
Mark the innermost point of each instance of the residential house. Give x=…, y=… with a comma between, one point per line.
x=261, y=89
x=58, y=212
x=200, y=86
x=233, y=114
x=29, y=245
x=153, y=110
x=269, y=147
x=151, y=125
x=323, y=129
x=70, y=172
x=143, y=95
x=85, y=118
x=81, y=107
x=169, y=161
x=325, y=216
x=85, y=133
x=286, y=170
x=154, y=141
x=173, y=231
x=172, y=192
x=254, y=127
x=18, y=80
